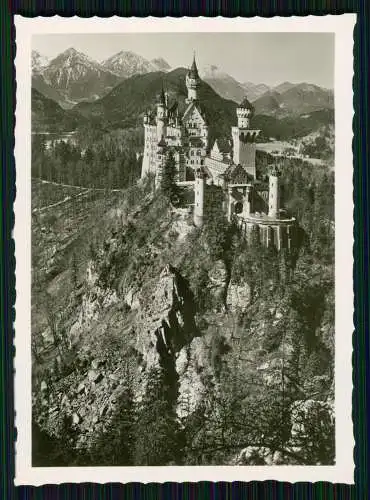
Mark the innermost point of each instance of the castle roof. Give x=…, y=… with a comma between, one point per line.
x=195, y=105
x=162, y=97
x=172, y=109
x=195, y=142
x=236, y=174
x=223, y=145
x=246, y=104
x=193, y=71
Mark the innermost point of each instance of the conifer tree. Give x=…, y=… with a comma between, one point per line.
x=168, y=184
x=157, y=431
x=115, y=446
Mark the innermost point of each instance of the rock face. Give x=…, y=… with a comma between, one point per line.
x=160, y=333
x=166, y=321
x=238, y=297
x=93, y=302
x=218, y=280
x=190, y=364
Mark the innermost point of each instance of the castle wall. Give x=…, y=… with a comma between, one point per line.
x=244, y=153
x=274, y=201
x=278, y=236
x=150, y=150
x=199, y=200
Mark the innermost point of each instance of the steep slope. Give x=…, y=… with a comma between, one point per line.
x=38, y=61
x=225, y=85
x=77, y=77
x=133, y=290
x=48, y=116
x=39, y=84
x=125, y=105
x=160, y=64
x=268, y=104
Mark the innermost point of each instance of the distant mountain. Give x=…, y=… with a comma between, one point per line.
x=38, y=61
x=124, y=106
x=294, y=113
x=296, y=100
x=292, y=126
x=160, y=64
x=48, y=116
x=305, y=98
x=268, y=104
x=225, y=85
x=76, y=77
x=255, y=90
x=228, y=87
x=126, y=63
x=283, y=87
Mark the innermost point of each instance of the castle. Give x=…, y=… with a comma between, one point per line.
x=230, y=164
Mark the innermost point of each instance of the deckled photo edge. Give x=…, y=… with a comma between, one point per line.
x=343, y=470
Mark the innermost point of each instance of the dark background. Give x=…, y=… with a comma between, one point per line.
x=252, y=490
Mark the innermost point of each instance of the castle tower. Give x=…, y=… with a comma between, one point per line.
x=150, y=146
x=199, y=183
x=161, y=115
x=244, y=145
x=161, y=160
x=192, y=82
x=274, y=194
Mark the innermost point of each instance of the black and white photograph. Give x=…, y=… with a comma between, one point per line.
x=183, y=235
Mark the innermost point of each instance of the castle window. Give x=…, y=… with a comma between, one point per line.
x=192, y=153
x=192, y=162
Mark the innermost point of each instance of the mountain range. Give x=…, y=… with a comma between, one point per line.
x=115, y=93
x=294, y=100
x=124, y=106
x=72, y=76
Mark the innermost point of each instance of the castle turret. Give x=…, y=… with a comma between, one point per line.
x=244, y=112
x=161, y=115
x=199, y=183
x=244, y=146
x=192, y=82
x=274, y=194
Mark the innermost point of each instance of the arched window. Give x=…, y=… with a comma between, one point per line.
x=238, y=208
x=198, y=152
x=192, y=153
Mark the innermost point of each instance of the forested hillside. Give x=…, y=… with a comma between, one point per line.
x=165, y=344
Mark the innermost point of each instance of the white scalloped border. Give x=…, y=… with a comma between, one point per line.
x=343, y=471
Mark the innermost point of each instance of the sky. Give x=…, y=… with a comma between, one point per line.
x=269, y=58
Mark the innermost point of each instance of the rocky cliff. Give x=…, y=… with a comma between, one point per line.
x=153, y=297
